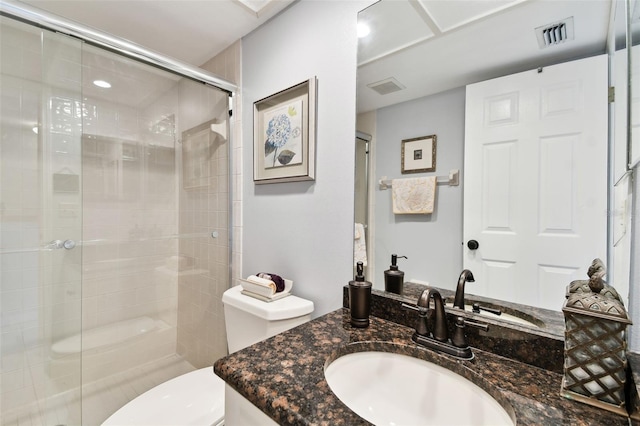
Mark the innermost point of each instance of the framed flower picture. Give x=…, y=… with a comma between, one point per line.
x=284, y=128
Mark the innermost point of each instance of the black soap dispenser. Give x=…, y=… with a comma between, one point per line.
x=393, y=277
x=360, y=298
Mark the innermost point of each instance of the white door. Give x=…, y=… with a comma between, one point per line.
x=536, y=181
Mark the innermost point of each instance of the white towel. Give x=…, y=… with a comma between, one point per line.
x=359, y=245
x=414, y=195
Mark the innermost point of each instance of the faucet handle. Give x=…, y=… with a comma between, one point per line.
x=459, y=339
x=479, y=325
x=477, y=308
x=422, y=326
x=408, y=306
x=419, y=309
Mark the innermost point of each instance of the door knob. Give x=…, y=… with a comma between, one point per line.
x=473, y=245
x=69, y=244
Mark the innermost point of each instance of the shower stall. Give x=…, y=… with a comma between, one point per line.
x=114, y=224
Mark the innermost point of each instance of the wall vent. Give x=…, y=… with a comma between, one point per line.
x=556, y=33
x=386, y=86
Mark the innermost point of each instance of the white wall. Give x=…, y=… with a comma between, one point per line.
x=432, y=242
x=304, y=230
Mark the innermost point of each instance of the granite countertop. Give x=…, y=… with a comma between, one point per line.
x=550, y=323
x=538, y=346
x=284, y=375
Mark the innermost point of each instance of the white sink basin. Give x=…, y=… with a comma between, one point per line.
x=392, y=389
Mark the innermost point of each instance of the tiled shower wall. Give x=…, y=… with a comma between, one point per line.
x=171, y=261
x=39, y=286
x=130, y=218
x=147, y=245
x=203, y=210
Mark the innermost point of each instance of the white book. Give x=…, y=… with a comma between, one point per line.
x=256, y=288
x=263, y=290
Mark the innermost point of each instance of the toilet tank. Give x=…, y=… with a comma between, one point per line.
x=250, y=320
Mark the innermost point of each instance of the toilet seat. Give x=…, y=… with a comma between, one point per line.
x=198, y=398
x=195, y=398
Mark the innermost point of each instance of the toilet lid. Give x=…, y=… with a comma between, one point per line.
x=195, y=398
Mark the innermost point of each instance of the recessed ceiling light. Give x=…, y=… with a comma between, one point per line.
x=363, y=30
x=102, y=83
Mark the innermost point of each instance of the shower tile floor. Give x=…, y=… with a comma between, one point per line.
x=100, y=399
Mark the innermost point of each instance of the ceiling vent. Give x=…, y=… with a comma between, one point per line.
x=556, y=33
x=384, y=87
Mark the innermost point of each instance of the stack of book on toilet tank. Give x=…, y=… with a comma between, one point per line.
x=266, y=287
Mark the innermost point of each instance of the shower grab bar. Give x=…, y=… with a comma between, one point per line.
x=452, y=180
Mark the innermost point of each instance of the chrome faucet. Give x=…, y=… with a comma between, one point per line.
x=465, y=276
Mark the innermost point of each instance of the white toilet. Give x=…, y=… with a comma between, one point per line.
x=197, y=398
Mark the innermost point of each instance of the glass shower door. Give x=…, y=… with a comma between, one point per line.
x=40, y=260
x=114, y=230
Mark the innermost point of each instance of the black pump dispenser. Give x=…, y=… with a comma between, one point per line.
x=359, y=272
x=393, y=277
x=360, y=298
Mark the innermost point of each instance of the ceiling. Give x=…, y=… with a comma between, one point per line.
x=192, y=31
x=430, y=46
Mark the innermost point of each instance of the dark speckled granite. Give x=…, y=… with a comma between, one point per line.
x=550, y=323
x=541, y=347
x=284, y=375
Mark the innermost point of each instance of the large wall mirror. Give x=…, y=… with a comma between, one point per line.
x=416, y=61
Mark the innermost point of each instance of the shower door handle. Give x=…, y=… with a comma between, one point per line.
x=59, y=244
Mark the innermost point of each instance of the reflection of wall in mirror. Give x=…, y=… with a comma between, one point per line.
x=365, y=184
x=361, y=182
x=431, y=242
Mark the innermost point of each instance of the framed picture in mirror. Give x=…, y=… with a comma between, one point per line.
x=419, y=154
x=284, y=135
